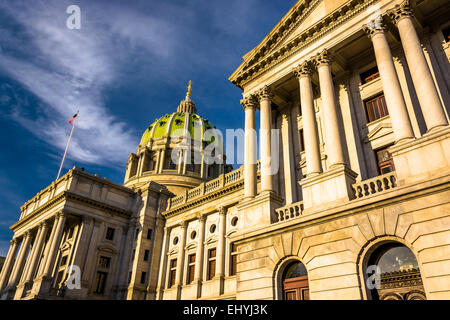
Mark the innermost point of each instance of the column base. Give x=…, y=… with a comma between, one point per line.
x=42, y=286
x=22, y=289
x=329, y=188
x=259, y=210
x=8, y=293
x=423, y=158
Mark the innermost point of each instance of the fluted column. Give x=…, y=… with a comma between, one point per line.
x=395, y=102
x=162, y=265
x=180, y=263
x=200, y=249
x=21, y=258
x=249, y=104
x=37, y=248
x=427, y=93
x=265, y=95
x=54, y=245
x=221, y=243
x=330, y=115
x=310, y=132
x=9, y=262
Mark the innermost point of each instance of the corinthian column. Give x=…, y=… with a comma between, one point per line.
x=389, y=79
x=249, y=104
x=20, y=261
x=332, y=134
x=54, y=245
x=199, y=253
x=9, y=262
x=427, y=93
x=312, y=152
x=37, y=248
x=265, y=95
x=221, y=243
x=162, y=266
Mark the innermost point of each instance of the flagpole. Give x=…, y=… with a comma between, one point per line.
x=67, y=148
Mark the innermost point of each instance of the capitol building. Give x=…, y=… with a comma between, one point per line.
x=358, y=206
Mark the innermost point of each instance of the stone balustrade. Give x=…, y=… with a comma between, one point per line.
x=289, y=212
x=375, y=185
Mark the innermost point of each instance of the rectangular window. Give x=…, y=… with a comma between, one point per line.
x=104, y=262
x=149, y=234
x=376, y=108
x=110, y=233
x=146, y=253
x=191, y=268
x=63, y=261
x=385, y=161
x=211, y=263
x=100, y=282
x=446, y=33
x=369, y=75
x=143, y=277
x=233, y=259
x=172, y=272
x=302, y=140
x=137, y=234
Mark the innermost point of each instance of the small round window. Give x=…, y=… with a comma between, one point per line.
x=234, y=221
x=175, y=240
x=193, y=234
x=212, y=229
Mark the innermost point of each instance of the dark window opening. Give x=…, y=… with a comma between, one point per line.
x=191, y=268
x=146, y=254
x=149, y=234
x=233, y=259
x=172, y=272
x=369, y=75
x=100, y=282
x=376, y=108
x=302, y=140
x=211, y=263
x=446, y=33
x=143, y=277
x=104, y=262
x=385, y=161
x=110, y=233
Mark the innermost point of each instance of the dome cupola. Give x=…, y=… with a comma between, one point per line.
x=171, y=151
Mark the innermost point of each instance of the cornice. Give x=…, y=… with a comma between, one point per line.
x=254, y=65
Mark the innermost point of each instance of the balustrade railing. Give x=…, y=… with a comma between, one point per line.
x=375, y=185
x=289, y=212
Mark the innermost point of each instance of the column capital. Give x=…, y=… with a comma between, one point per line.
x=61, y=214
x=265, y=93
x=322, y=58
x=183, y=224
x=374, y=26
x=202, y=217
x=222, y=210
x=249, y=102
x=304, y=69
x=400, y=11
x=13, y=241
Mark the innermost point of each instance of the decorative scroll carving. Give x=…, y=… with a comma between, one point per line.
x=400, y=11
x=303, y=70
x=374, y=26
x=249, y=101
x=265, y=93
x=322, y=58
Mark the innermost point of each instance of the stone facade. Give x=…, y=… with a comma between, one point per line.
x=359, y=91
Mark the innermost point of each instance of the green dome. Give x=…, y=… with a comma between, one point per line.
x=175, y=124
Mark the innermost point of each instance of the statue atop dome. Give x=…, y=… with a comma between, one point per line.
x=187, y=105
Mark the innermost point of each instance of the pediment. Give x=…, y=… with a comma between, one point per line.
x=381, y=130
x=306, y=20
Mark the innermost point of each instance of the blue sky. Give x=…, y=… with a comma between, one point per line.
x=128, y=64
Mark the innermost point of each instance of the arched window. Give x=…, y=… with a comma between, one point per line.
x=392, y=273
x=295, y=282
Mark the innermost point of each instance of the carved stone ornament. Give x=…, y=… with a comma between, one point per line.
x=303, y=70
x=322, y=58
x=265, y=93
x=249, y=101
x=374, y=26
x=400, y=11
